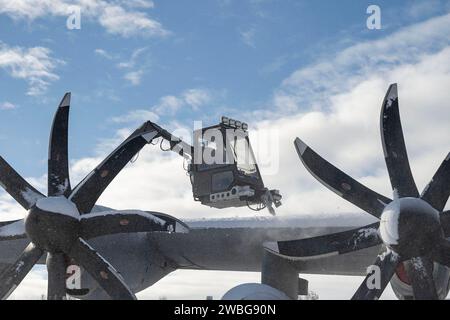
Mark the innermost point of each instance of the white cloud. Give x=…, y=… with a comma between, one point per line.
x=196, y=98
x=131, y=62
x=134, y=77
x=341, y=71
x=248, y=37
x=168, y=105
x=134, y=116
x=34, y=65
x=193, y=98
x=139, y=4
x=7, y=106
x=103, y=53
x=117, y=17
x=117, y=20
x=135, y=68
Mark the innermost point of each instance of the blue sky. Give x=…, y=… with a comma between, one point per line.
x=236, y=51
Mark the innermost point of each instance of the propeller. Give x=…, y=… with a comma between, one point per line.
x=412, y=227
x=60, y=223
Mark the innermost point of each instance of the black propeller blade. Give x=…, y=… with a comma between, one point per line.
x=101, y=270
x=436, y=193
x=17, y=187
x=331, y=244
x=411, y=227
x=99, y=224
x=420, y=273
x=376, y=281
x=87, y=192
x=339, y=182
x=58, y=160
x=445, y=223
x=394, y=148
x=54, y=224
x=13, y=276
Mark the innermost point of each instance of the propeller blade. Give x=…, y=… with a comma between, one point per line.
x=420, y=273
x=394, y=148
x=112, y=222
x=56, y=269
x=13, y=276
x=17, y=187
x=380, y=275
x=437, y=191
x=12, y=230
x=87, y=192
x=445, y=223
x=441, y=253
x=340, y=183
x=101, y=270
x=331, y=244
x=58, y=160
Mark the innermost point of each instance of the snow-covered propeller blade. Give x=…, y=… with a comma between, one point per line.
x=331, y=244
x=18, y=187
x=437, y=191
x=13, y=276
x=378, y=277
x=340, y=183
x=112, y=222
x=101, y=270
x=87, y=192
x=394, y=147
x=420, y=273
x=12, y=230
x=58, y=160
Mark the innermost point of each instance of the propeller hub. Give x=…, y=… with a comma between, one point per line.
x=53, y=224
x=410, y=227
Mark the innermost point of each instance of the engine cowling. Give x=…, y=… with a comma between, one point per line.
x=254, y=291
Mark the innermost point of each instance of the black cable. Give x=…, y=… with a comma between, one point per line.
x=256, y=209
x=160, y=146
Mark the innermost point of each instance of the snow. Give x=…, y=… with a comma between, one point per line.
x=60, y=205
x=123, y=212
x=391, y=215
x=301, y=221
x=30, y=196
x=388, y=253
x=63, y=187
x=389, y=223
x=365, y=233
x=14, y=229
x=392, y=96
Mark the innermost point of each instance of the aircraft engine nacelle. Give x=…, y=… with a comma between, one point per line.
x=254, y=291
x=403, y=290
